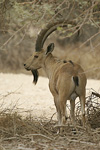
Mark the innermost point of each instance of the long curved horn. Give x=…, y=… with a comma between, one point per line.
x=44, y=33
x=42, y=36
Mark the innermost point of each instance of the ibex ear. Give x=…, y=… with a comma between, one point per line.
x=50, y=48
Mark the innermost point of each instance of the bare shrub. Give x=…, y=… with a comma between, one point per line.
x=18, y=132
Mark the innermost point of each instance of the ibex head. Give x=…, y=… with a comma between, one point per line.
x=36, y=60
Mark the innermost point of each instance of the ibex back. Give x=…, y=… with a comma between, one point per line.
x=66, y=79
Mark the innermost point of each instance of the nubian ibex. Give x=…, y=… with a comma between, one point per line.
x=67, y=80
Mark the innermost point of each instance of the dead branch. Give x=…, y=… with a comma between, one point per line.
x=44, y=136
x=89, y=39
x=13, y=35
x=96, y=94
x=25, y=3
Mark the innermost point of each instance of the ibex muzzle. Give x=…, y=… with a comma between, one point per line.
x=67, y=80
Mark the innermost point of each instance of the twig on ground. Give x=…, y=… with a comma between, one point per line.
x=96, y=94
x=44, y=136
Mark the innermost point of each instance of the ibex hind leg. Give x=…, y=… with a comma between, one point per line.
x=82, y=101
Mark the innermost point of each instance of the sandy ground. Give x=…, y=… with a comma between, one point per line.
x=18, y=92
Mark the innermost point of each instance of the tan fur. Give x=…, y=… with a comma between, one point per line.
x=61, y=83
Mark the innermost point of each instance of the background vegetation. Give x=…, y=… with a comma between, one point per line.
x=21, y=20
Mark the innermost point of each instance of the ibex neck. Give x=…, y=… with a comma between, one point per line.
x=49, y=65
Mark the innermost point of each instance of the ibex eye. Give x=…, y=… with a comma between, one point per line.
x=35, y=56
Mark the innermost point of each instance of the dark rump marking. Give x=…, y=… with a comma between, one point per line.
x=71, y=62
x=64, y=61
x=36, y=75
x=76, y=80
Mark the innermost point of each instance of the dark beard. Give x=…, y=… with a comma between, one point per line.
x=36, y=75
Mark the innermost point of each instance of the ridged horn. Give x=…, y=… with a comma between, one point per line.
x=51, y=27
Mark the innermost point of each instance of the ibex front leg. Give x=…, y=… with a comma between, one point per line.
x=56, y=101
x=62, y=104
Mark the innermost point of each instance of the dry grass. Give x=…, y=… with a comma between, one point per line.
x=29, y=133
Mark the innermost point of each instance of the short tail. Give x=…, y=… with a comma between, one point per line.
x=76, y=80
